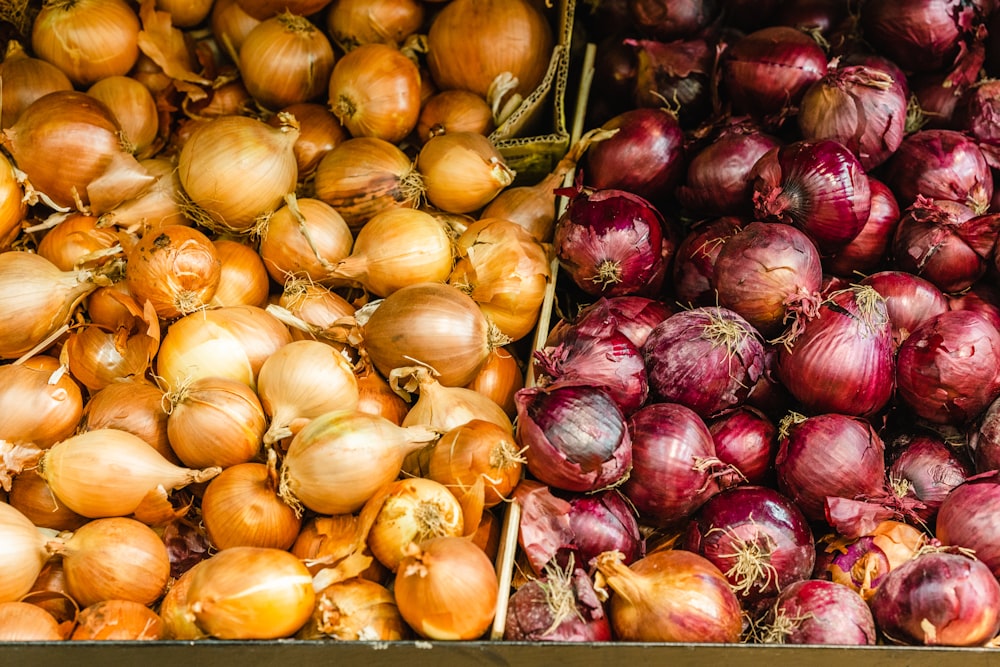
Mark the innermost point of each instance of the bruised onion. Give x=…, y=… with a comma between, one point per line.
x=175, y=268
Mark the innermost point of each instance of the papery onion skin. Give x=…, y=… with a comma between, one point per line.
x=948, y=370
x=355, y=610
x=816, y=611
x=633, y=316
x=118, y=620
x=929, y=470
x=938, y=599
x=966, y=518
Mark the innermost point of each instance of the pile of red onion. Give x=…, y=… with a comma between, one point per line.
x=774, y=387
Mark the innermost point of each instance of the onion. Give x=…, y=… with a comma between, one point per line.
x=39, y=402
x=964, y=518
x=678, y=71
x=818, y=186
x=866, y=252
x=927, y=469
x=440, y=407
x=694, y=262
x=499, y=379
x=670, y=596
x=842, y=359
x=633, y=316
x=118, y=620
x=939, y=599
x=669, y=19
x=477, y=452
x=109, y=473
x=462, y=171
x=319, y=133
x=454, y=111
x=815, y=611
x=862, y=562
x=355, y=610
x=829, y=456
x=78, y=243
x=560, y=606
x=672, y=457
x=747, y=440
x=706, y=359
x=31, y=495
x=575, y=436
x=446, y=589
x=305, y=238
x=231, y=24
x=134, y=406
x=948, y=370
x=14, y=209
x=159, y=204
x=340, y=459
x=26, y=78
x=24, y=552
x=134, y=108
x=610, y=242
x=909, y=300
x=757, y=538
x=984, y=440
x=243, y=277
x=352, y=23
x=26, y=622
x=765, y=269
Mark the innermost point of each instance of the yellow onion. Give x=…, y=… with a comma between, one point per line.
x=135, y=406
x=474, y=451
x=355, y=610
x=500, y=378
x=352, y=23
x=98, y=356
x=214, y=421
x=185, y=13
x=243, y=278
x=454, y=111
x=95, y=168
x=315, y=305
x=25, y=79
x=108, y=473
x=49, y=593
x=366, y=175
x=87, y=39
x=117, y=620
x=175, y=268
x=37, y=299
x=77, y=242
x=265, y=9
x=32, y=497
x=434, y=325
x=22, y=551
x=396, y=248
x=178, y=620
x=112, y=306
x=39, y=402
x=114, y=558
x=301, y=381
x=251, y=593
x=472, y=42
x=328, y=540
x=319, y=133
x=446, y=589
x=134, y=108
x=158, y=205
x=337, y=462
x=236, y=169
x=441, y=407
x=462, y=171
x=231, y=25
x=231, y=342
x=411, y=510
x=305, y=238
x=241, y=507
x=374, y=91
x=506, y=271
x=376, y=397
x=231, y=98
x=13, y=208
x=290, y=44
x=26, y=622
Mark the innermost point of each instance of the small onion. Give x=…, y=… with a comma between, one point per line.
x=319, y=133
x=454, y=111
x=462, y=171
x=243, y=278
x=473, y=451
x=304, y=238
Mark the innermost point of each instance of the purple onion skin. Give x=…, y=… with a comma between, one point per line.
x=817, y=611
x=633, y=316
x=531, y=618
x=927, y=469
x=746, y=439
x=604, y=521
x=947, y=370
x=919, y=35
x=831, y=455
x=842, y=361
x=705, y=358
x=757, y=538
x=671, y=19
x=984, y=440
x=969, y=518
x=938, y=599
x=677, y=70
x=818, y=186
x=694, y=262
x=861, y=566
x=909, y=300
x=939, y=164
x=667, y=483
x=576, y=436
x=866, y=252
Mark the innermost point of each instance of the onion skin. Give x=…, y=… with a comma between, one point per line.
x=816, y=611
x=939, y=164
x=909, y=300
x=928, y=470
x=918, y=35
x=967, y=518
x=534, y=614
x=694, y=262
x=938, y=599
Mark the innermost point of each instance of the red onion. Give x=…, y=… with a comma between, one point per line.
x=747, y=440
x=818, y=186
x=978, y=114
x=609, y=242
x=575, y=436
x=861, y=563
x=841, y=360
x=769, y=395
x=926, y=469
x=676, y=74
x=769, y=69
x=984, y=440
x=613, y=88
x=705, y=358
x=920, y=35
x=940, y=164
x=830, y=455
x=672, y=460
x=861, y=107
x=866, y=252
x=608, y=360
x=980, y=298
x=947, y=370
x=939, y=599
x=945, y=242
x=717, y=180
x=650, y=137
x=816, y=611
x=694, y=262
x=671, y=19
x=560, y=606
x=633, y=316
x=968, y=518
x=763, y=270
x=909, y=300
x=757, y=538
x=811, y=15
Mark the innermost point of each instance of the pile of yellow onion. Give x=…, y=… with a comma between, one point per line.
x=264, y=316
